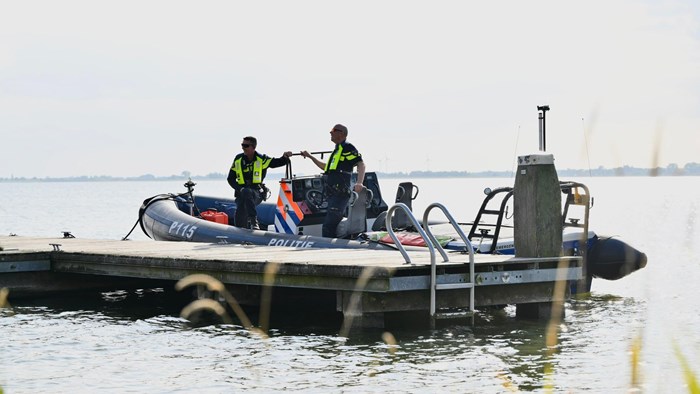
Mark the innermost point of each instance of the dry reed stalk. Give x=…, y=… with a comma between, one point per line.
x=690, y=378
x=355, y=300
x=552, y=332
x=390, y=340
x=4, y=293
x=271, y=270
x=507, y=383
x=214, y=285
x=635, y=353
x=205, y=304
x=654, y=171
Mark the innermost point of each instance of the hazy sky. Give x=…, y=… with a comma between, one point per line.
x=126, y=88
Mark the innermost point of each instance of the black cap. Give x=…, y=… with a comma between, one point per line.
x=341, y=128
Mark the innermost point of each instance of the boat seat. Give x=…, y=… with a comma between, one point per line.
x=356, y=221
x=405, y=195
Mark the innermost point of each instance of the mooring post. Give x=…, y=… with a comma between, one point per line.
x=537, y=215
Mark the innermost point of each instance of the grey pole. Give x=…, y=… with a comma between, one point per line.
x=542, y=114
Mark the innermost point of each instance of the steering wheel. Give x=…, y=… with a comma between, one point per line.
x=316, y=200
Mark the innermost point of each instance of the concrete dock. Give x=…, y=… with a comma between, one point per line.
x=34, y=267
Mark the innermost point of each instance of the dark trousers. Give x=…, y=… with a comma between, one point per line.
x=337, y=204
x=247, y=199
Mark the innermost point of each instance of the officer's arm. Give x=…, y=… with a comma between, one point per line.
x=280, y=161
x=319, y=163
x=231, y=179
x=360, y=176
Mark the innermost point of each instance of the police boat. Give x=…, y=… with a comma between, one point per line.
x=295, y=219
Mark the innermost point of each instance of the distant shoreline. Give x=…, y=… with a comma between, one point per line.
x=690, y=169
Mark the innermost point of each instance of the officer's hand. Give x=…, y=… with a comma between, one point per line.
x=287, y=154
x=358, y=187
x=305, y=154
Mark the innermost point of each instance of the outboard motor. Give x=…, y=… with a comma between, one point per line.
x=611, y=259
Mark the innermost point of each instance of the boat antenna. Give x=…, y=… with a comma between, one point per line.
x=543, y=140
x=585, y=140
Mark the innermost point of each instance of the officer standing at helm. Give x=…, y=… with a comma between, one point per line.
x=339, y=170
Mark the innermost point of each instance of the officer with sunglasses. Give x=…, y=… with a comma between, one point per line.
x=246, y=178
x=338, y=170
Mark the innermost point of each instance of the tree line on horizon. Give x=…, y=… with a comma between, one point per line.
x=690, y=169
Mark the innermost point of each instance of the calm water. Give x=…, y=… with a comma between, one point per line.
x=135, y=341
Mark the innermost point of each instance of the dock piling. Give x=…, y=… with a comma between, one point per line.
x=537, y=215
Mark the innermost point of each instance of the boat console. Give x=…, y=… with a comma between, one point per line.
x=310, y=189
x=302, y=205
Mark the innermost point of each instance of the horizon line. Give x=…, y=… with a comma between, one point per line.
x=689, y=169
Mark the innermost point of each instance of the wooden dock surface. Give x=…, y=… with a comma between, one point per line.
x=30, y=264
x=387, y=259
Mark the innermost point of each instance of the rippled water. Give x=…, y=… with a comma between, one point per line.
x=135, y=341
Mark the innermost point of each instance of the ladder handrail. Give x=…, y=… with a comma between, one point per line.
x=418, y=227
x=431, y=242
x=433, y=268
x=454, y=224
x=500, y=213
x=570, y=188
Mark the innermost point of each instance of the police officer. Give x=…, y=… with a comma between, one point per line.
x=339, y=170
x=246, y=178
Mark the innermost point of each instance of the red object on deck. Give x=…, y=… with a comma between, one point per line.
x=215, y=216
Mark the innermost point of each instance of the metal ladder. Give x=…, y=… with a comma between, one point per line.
x=575, y=198
x=499, y=213
x=432, y=243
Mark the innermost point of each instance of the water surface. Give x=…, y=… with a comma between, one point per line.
x=136, y=342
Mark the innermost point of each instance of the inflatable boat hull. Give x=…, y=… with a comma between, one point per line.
x=163, y=221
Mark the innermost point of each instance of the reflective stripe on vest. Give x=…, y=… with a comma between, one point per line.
x=332, y=163
x=258, y=166
x=337, y=158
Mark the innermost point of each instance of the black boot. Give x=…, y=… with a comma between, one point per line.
x=253, y=223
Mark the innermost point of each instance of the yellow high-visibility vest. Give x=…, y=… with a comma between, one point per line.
x=258, y=166
x=339, y=156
